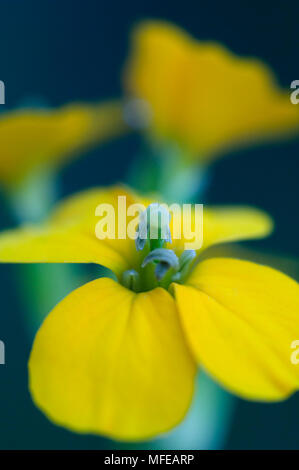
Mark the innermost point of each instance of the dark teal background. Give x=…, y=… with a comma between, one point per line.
x=57, y=51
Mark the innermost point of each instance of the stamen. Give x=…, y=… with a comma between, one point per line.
x=165, y=260
x=186, y=257
x=131, y=280
x=185, y=262
x=161, y=270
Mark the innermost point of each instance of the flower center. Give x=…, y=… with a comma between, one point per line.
x=160, y=266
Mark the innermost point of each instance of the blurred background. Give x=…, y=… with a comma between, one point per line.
x=57, y=51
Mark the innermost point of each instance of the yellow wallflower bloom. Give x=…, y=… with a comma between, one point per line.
x=122, y=362
x=203, y=96
x=32, y=138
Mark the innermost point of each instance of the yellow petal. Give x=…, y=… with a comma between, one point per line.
x=240, y=319
x=31, y=138
x=113, y=362
x=281, y=261
x=51, y=245
x=227, y=224
x=203, y=96
x=69, y=235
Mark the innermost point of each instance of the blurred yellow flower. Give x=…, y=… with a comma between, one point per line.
x=119, y=360
x=202, y=96
x=36, y=138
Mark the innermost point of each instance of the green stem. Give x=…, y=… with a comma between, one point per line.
x=167, y=172
x=181, y=179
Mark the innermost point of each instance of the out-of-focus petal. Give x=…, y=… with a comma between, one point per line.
x=36, y=138
x=203, y=96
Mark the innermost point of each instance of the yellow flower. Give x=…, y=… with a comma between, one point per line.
x=202, y=96
x=35, y=138
x=121, y=362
